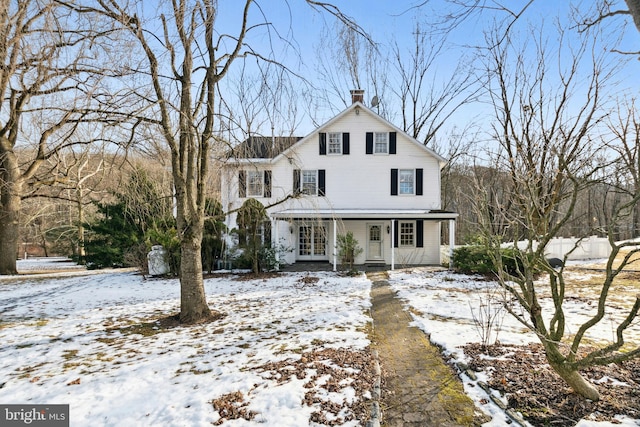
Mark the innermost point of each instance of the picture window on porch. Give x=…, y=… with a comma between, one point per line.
x=381, y=143
x=335, y=143
x=407, y=233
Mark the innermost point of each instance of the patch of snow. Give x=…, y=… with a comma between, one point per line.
x=443, y=304
x=82, y=340
x=72, y=340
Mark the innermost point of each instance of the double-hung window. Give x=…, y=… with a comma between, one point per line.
x=335, y=143
x=406, y=231
x=255, y=183
x=406, y=180
x=381, y=143
x=309, y=182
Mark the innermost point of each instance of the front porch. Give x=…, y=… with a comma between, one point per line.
x=388, y=237
x=327, y=266
x=365, y=268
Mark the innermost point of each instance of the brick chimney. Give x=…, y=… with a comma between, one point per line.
x=357, y=95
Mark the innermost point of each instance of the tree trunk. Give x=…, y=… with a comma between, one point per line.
x=10, y=192
x=80, y=229
x=43, y=240
x=9, y=230
x=572, y=377
x=634, y=9
x=193, y=301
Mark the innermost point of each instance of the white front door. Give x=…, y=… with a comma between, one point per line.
x=374, y=242
x=312, y=242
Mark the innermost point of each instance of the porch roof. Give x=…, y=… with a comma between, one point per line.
x=428, y=214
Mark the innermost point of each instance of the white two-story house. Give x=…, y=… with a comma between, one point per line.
x=357, y=173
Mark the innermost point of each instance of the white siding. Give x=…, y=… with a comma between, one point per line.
x=358, y=180
x=354, y=181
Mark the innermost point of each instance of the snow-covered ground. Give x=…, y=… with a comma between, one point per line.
x=89, y=341
x=70, y=341
x=47, y=264
x=448, y=306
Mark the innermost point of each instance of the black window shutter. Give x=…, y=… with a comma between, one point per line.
x=296, y=181
x=323, y=143
x=395, y=234
x=321, y=182
x=419, y=233
x=242, y=184
x=419, y=182
x=392, y=143
x=345, y=143
x=394, y=182
x=267, y=183
x=369, y=142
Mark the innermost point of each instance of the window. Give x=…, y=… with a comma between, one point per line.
x=406, y=180
x=407, y=233
x=335, y=143
x=309, y=183
x=381, y=143
x=254, y=183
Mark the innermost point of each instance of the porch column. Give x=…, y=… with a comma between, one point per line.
x=274, y=241
x=393, y=249
x=335, y=245
x=452, y=240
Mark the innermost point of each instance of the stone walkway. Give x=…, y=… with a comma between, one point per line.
x=418, y=388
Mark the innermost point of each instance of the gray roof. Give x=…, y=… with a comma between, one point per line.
x=262, y=147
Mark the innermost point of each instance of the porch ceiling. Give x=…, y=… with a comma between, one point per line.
x=433, y=214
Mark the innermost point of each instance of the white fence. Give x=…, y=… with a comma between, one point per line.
x=588, y=248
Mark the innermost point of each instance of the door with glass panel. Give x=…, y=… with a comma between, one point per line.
x=374, y=242
x=312, y=242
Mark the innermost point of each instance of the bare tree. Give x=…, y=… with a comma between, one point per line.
x=186, y=115
x=49, y=83
x=82, y=172
x=428, y=98
x=543, y=127
x=345, y=62
x=182, y=104
x=258, y=103
x=462, y=11
x=624, y=127
x=405, y=82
